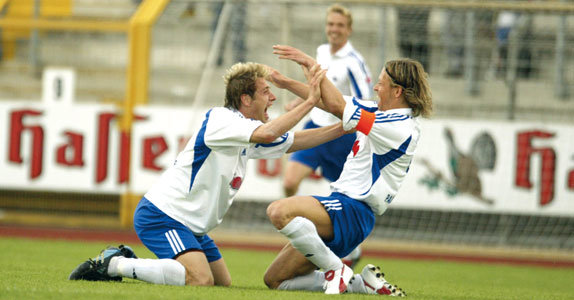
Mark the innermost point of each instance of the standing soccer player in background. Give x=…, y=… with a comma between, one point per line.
x=192, y=196
x=320, y=230
x=347, y=70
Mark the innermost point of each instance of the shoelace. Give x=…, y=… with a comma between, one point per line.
x=97, y=263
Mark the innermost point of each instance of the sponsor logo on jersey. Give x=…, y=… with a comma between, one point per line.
x=236, y=182
x=356, y=148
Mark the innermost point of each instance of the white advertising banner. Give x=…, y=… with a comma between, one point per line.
x=480, y=166
x=490, y=166
x=59, y=147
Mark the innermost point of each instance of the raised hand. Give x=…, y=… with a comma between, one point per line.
x=317, y=76
x=276, y=78
x=293, y=103
x=294, y=54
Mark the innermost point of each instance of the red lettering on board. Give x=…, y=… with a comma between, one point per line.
x=524, y=154
x=17, y=128
x=263, y=169
x=71, y=153
x=153, y=147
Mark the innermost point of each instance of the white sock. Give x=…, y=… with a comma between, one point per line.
x=158, y=271
x=357, y=285
x=303, y=235
x=355, y=254
x=311, y=282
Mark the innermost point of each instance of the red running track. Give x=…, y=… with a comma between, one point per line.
x=129, y=237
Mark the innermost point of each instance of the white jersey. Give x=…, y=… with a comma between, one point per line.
x=381, y=155
x=198, y=189
x=348, y=72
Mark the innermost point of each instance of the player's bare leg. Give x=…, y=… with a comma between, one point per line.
x=295, y=172
x=197, y=269
x=220, y=272
x=288, y=264
x=283, y=211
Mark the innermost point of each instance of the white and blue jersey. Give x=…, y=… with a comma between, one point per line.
x=347, y=70
x=373, y=172
x=198, y=189
x=381, y=155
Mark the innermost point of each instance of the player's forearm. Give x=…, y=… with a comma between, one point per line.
x=298, y=88
x=271, y=130
x=301, y=90
x=332, y=99
x=289, y=106
x=310, y=138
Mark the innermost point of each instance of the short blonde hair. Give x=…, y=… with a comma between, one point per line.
x=411, y=76
x=240, y=79
x=340, y=9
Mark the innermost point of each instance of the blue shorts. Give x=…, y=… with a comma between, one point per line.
x=330, y=156
x=168, y=238
x=353, y=221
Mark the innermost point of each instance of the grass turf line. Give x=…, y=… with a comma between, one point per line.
x=40, y=268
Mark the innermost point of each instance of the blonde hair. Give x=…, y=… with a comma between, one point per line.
x=340, y=9
x=240, y=79
x=411, y=76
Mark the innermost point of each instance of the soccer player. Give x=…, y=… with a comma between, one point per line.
x=347, y=70
x=320, y=230
x=192, y=196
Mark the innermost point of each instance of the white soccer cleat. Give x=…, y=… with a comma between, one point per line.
x=375, y=282
x=336, y=280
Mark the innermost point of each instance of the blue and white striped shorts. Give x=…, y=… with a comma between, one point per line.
x=168, y=238
x=353, y=221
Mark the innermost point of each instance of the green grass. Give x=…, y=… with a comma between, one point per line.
x=37, y=269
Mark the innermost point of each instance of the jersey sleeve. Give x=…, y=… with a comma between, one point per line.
x=390, y=133
x=272, y=150
x=386, y=131
x=359, y=78
x=359, y=114
x=226, y=128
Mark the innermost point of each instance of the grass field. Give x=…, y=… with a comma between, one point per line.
x=39, y=269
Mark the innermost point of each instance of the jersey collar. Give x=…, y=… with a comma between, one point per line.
x=400, y=111
x=345, y=50
x=236, y=111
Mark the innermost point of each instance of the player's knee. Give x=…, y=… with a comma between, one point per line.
x=226, y=283
x=277, y=214
x=198, y=279
x=270, y=282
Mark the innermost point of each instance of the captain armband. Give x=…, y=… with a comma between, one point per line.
x=366, y=122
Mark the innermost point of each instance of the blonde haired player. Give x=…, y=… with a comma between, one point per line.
x=192, y=196
x=320, y=230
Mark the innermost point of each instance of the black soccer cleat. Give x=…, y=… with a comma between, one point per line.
x=97, y=269
x=127, y=251
x=86, y=271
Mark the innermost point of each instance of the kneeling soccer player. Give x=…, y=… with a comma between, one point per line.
x=321, y=230
x=192, y=196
